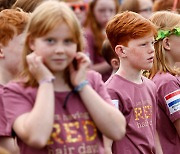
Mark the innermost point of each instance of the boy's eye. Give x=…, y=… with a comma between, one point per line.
x=143, y=44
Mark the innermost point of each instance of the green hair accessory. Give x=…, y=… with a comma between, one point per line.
x=165, y=33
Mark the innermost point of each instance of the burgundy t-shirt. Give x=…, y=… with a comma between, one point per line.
x=137, y=103
x=3, y=120
x=74, y=131
x=169, y=111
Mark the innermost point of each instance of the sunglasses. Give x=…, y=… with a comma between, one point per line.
x=81, y=7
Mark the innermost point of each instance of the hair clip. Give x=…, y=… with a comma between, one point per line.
x=176, y=31
x=162, y=34
x=165, y=33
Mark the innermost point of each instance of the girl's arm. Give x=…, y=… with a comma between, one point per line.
x=35, y=127
x=108, y=119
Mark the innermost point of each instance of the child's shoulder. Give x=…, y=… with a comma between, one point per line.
x=116, y=81
x=149, y=83
x=18, y=87
x=165, y=78
x=94, y=77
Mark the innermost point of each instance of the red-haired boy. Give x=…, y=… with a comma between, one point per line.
x=132, y=38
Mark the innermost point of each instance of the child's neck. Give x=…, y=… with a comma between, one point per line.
x=5, y=76
x=131, y=75
x=60, y=85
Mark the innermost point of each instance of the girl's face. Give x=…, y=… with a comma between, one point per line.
x=145, y=8
x=57, y=48
x=104, y=11
x=174, y=44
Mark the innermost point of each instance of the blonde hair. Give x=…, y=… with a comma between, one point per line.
x=27, y=5
x=44, y=19
x=164, y=20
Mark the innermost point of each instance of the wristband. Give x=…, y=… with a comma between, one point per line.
x=47, y=80
x=80, y=86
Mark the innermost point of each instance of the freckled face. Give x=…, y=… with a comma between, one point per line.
x=140, y=53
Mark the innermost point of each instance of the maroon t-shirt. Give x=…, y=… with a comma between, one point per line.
x=3, y=120
x=137, y=103
x=169, y=111
x=74, y=131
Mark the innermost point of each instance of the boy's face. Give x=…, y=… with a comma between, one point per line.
x=140, y=53
x=13, y=52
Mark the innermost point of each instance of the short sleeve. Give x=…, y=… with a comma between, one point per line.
x=16, y=102
x=170, y=93
x=3, y=121
x=98, y=85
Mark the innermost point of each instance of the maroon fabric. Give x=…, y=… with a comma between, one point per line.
x=137, y=102
x=74, y=130
x=169, y=138
x=3, y=120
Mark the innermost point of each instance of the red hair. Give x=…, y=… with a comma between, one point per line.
x=127, y=26
x=12, y=22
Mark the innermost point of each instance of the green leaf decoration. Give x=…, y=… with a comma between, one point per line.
x=176, y=31
x=162, y=34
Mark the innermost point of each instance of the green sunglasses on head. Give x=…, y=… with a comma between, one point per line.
x=165, y=33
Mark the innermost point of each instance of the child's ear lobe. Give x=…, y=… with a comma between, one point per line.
x=166, y=43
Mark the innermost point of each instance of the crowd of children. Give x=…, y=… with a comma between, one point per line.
x=89, y=77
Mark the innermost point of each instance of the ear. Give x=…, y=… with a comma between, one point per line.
x=31, y=43
x=166, y=43
x=115, y=63
x=120, y=51
x=1, y=52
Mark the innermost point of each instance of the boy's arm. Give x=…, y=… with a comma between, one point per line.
x=107, y=145
x=158, y=144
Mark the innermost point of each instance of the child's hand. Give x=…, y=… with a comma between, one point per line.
x=37, y=67
x=79, y=75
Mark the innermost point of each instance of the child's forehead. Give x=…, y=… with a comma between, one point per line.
x=147, y=38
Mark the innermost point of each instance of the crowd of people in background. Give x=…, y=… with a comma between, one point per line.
x=89, y=76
